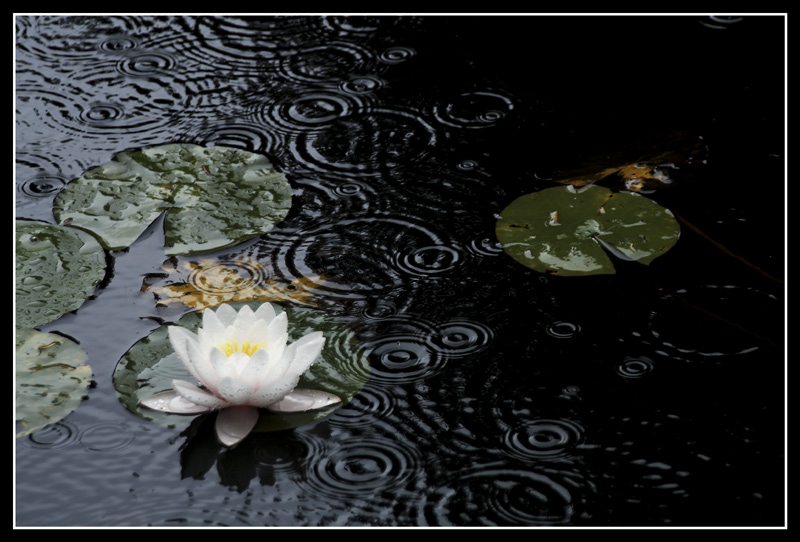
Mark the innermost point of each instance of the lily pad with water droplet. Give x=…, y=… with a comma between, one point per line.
x=51, y=379
x=213, y=197
x=151, y=365
x=57, y=269
x=571, y=232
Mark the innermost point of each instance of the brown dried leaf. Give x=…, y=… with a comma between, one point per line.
x=206, y=282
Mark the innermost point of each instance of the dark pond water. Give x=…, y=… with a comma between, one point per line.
x=499, y=396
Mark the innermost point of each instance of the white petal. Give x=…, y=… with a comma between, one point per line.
x=226, y=315
x=205, y=339
x=276, y=350
x=237, y=363
x=284, y=375
x=232, y=334
x=235, y=423
x=277, y=328
x=196, y=395
x=246, y=312
x=256, y=368
x=212, y=324
x=172, y=401
x=180, y=338
x=257, y=331
x=245, y=318
x=200, y=365
x=274, y=391
x=219, y=361
x=301, y=400
x=265, y=312
x=306, y=351
x=298, y=356
x=278, y=364
x=234, y=391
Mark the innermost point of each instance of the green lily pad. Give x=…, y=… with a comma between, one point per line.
x=151, y=364
x=57, y=269
x=214, y=197
x=51, y=376
x=571, y=232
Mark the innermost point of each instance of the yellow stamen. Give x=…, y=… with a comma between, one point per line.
x=229, y=347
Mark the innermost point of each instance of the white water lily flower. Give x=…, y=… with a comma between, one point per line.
x=243, y=363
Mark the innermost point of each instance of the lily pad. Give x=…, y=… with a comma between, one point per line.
x=57, y=269
x=151, y=365
x=214, y=197
x=571, y=232
x=51, y=377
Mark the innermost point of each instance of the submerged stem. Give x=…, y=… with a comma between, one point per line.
x=736, y=257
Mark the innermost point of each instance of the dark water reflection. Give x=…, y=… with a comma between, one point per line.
x=498, y=396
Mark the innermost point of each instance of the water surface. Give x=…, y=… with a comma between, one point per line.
x=498, y=396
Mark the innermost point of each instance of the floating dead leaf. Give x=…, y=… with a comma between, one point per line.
x=208, y=282
x=643, y=166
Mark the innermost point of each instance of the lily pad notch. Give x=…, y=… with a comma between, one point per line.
x=572, y=232
x=214, y=197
